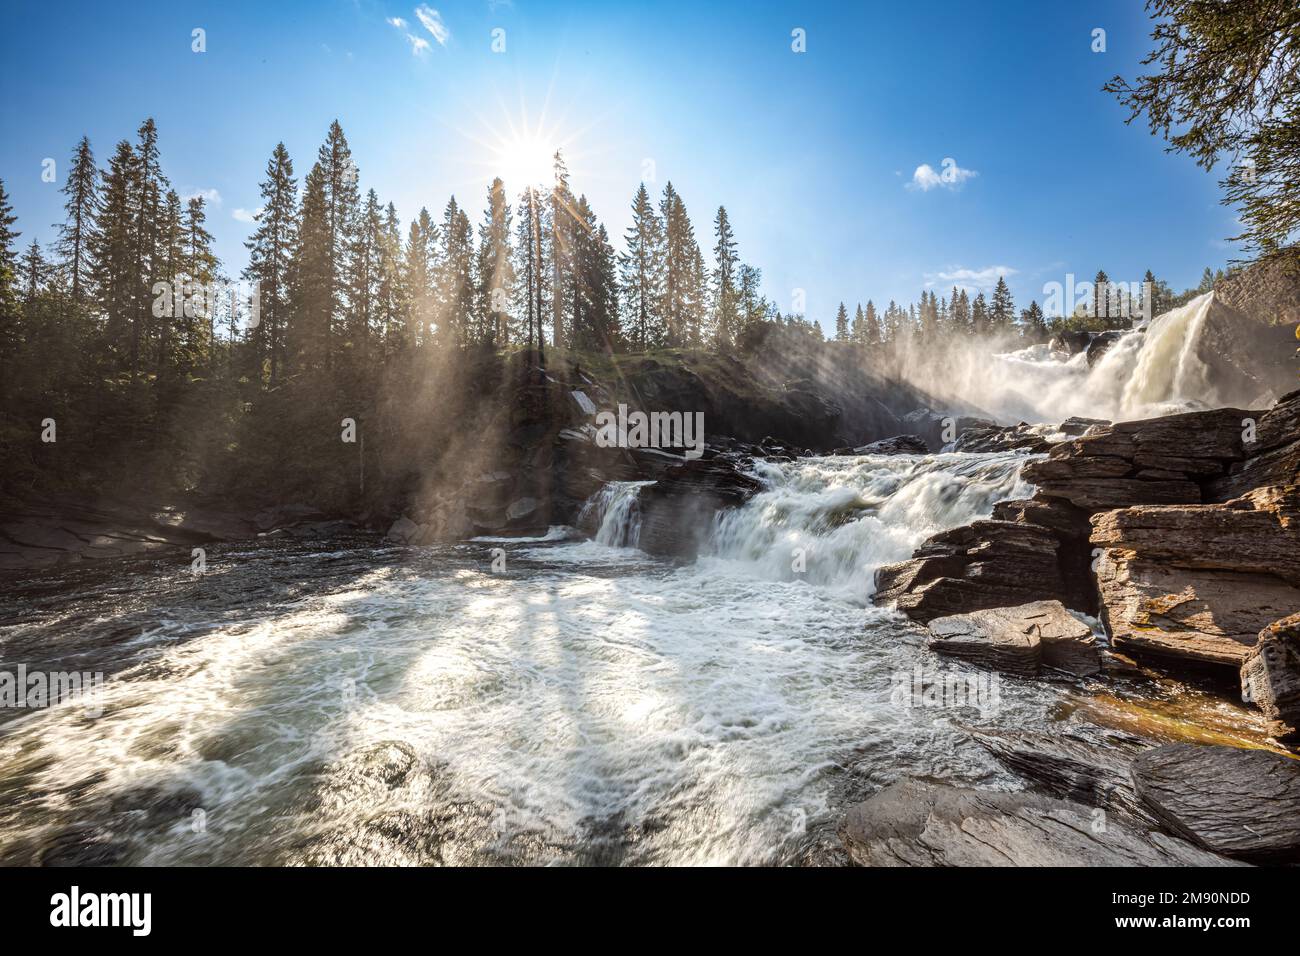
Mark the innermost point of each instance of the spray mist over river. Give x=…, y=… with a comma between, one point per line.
x=587, y=704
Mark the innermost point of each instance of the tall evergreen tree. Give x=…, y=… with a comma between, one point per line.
x=456, y=275
x=271, y=250
x=495, y=274
x=841, y=324
x=979, y=315
x=116, y=278
x=1002, y=313
x=642, y=274
x=77, y=232
x=725, y=306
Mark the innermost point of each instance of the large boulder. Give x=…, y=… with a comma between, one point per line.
x=916, y=823
x=678, y=510
x=986, y=564
x=898, y=445
x=1195, y=584
x=1240, y=803
x=1270, y=675
x=1019, y=640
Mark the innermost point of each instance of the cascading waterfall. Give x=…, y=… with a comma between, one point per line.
x=615, y=512
x=1148, y=372
x=832, y=521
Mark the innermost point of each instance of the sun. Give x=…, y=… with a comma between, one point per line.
x=525, y=160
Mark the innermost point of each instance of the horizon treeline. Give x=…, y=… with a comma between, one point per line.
x=126, y=334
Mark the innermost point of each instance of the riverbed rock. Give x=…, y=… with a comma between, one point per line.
x=1239, y=803
x=986, y=564
x=1067, y=765
x=918, y=823
x=991, y=438
x=1270, y=675
x=1155, y=461
x=898, y=445
x=1077, y=425
x=1273, y=458
x=1018, y=640
x=1196, y=584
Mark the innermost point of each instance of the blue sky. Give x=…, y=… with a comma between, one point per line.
x=814, y=154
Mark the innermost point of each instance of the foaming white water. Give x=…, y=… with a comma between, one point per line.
x=833, y=521
x=588, y=704
x=1147, y=372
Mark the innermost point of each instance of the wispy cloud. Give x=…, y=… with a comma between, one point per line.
x=246, y=215
x=419, y=45
x=210, y=196
x=972, y=280
x=948, y=176
x=432, y=21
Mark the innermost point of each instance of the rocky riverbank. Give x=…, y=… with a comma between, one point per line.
x=1183, y=534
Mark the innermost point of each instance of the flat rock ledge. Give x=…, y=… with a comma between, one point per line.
x=1019, y=640
x=1240, y=803
x=918, y=823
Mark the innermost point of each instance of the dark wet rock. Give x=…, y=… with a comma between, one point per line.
x=1270, y=676
x=1068, y=766
x=1196, y=584
x=678, y=510
x=1100, y=345
x=991, y=438
x=986, y=564
x=1273, y=458
x=1240, y=803
x=1019, y=640
x=898, y=445
x=1072, y=342
x=1076, y=425
x=80, y=846
x=916, y=823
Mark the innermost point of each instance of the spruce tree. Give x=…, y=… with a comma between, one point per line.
x=271, y=250
x=1002, y=313
x=495, y=275
x=841, y=324
x=725, y=314
x=642, y=274
x=77, y=232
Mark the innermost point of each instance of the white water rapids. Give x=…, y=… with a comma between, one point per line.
x=587, y=704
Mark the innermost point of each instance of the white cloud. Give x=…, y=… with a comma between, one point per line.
x=419, y=45
x=432, y=21
x=948, y=176
x=210, y=196
x=247, y=215
x=972, y=280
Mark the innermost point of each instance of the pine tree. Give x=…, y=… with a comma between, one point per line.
x=392, y=302
x=171, y=243
x=873, y=335
x=1034, y=323
x=495, y=275
x=1002, y=314
x=725, y=314
x=456, y=275
x=201, y=268
x=271, y=250
x=340, y=197
x=364, y=276
x=419, y=276
x=979, y=315
x=113, y=254
x=842, y=324
x=1101, y=295
x=531, y=268
x=680, y=255
x=641, y=270
x=77, y=233
x=564, y=226
x=150, y=186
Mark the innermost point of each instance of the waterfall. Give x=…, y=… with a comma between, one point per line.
x=614, y=511
x=1148, y=372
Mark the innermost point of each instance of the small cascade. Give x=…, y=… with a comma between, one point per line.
x=615, y=512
